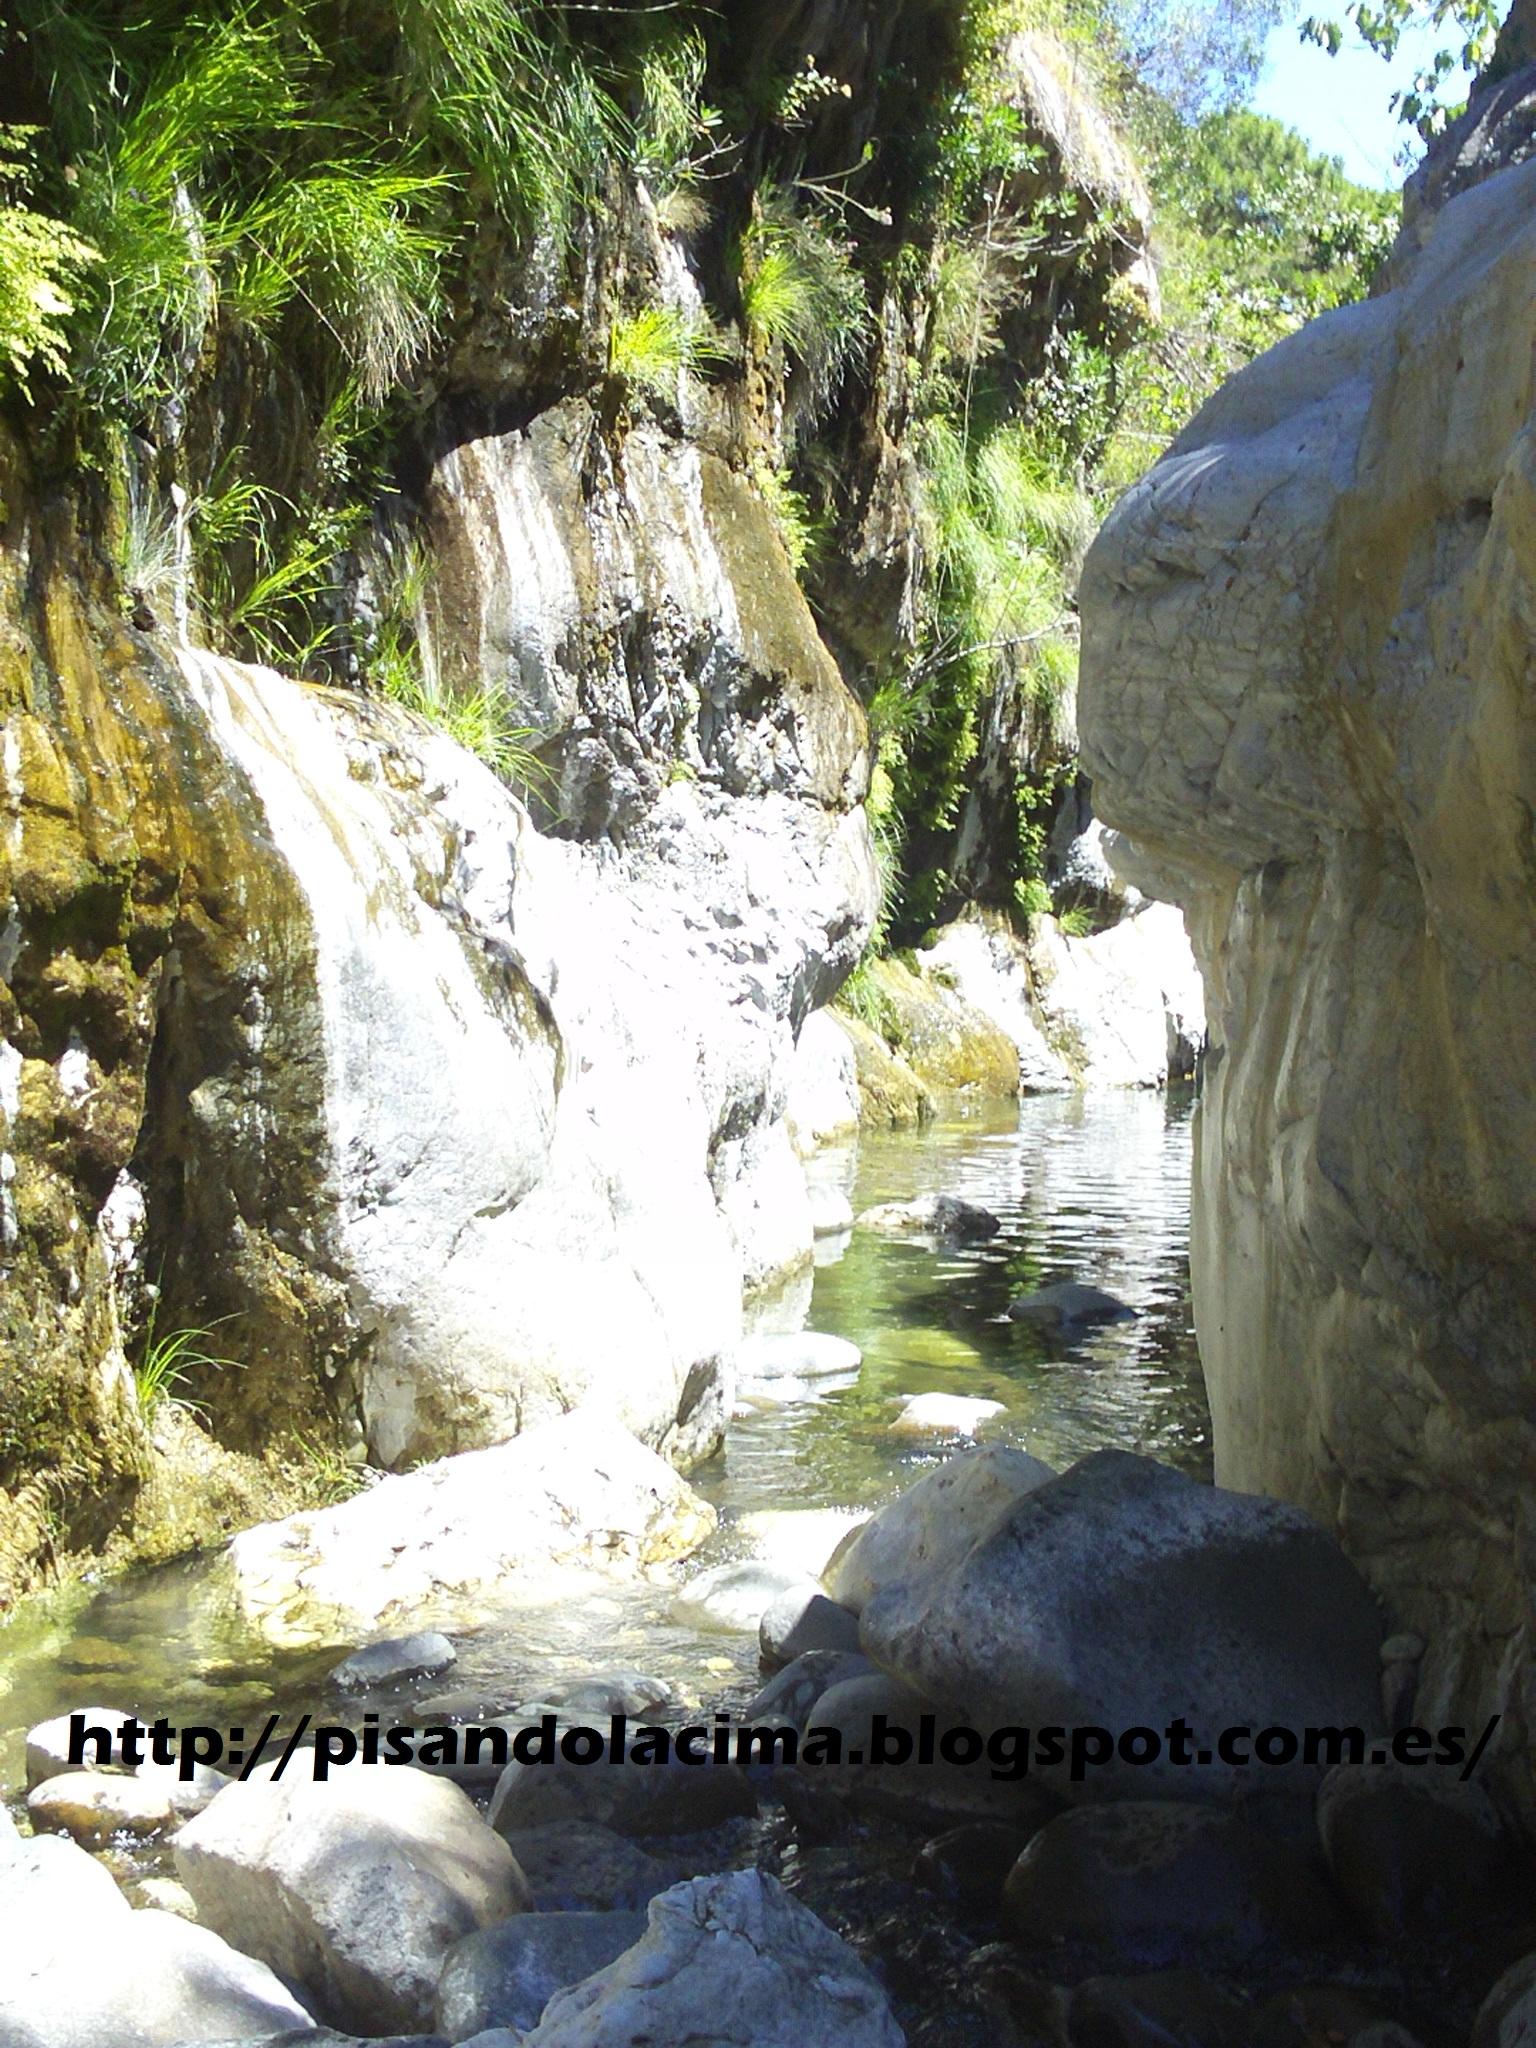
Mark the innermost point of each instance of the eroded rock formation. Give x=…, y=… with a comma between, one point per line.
x=1308, y=701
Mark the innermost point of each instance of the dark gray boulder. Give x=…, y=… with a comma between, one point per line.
x=1123, y=1595
x=505, y=1976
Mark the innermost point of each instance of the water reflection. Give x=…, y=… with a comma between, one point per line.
x=1092, y=1188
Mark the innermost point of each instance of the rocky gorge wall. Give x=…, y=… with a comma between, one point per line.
x=1307, y=701
x=439, y=1124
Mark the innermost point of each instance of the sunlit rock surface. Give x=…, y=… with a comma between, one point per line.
x=1308, y=701
x=442, y=1121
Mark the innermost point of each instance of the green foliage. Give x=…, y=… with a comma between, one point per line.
x=802, y=293
x=802, y=531
x=1257, y=233
x=41, y=263
x=165, y=1360
x=1472, y=29
x=478, y=719
x=658, y=347
x=329, y=1476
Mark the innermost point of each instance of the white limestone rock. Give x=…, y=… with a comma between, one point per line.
x=732, y=1960
x=354, y=1889
x=1307, y=704
x=466, y=1535
x=929, y=1527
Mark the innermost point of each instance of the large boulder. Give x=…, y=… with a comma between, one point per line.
x=1150, y=1882
x=372, y=941
x=506, y=1975
x=354, y=1889
x=731, y=1960
x=1307, y=702
x=932, y=1524
x=1124, y=1595
x=80, y=1969
x=633, y=1797
x=461, y=1537
x=1507, y=2016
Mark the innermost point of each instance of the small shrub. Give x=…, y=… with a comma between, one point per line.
x=164, y=1362
x=655, y=349
x=801, y=292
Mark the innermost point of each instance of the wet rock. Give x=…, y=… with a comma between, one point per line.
x=1124, y=1595
x=929, y=1527
x=1507, y=2016
x=93, y=1806
x=505, y=1976
x=580, y=1867
x=165, y=1895
x=944, y=1415
x=1025, y=2009
x=48, y=1745
x=883, y=1769
x=1069, y=1301
x=615, y=1692
x=732, y=1960
x=186, y=1796
x=633, y=1798
x=800, y=1620
x=822, y=1103
x=970, y=1864
x=949, y=1218
x=1166, y=2009
x=575, y=1493
x=791, y=1693
x=801, y=1355
x=396, y=1657
x=1413, y=1851
x=80, y=1969
x=1326, y=2016
x=831, y=1210
x=735, y=1597
x=1154, y=1882
x=354, y=1889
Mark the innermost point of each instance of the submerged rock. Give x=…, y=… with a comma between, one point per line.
x=1124, y=1595
x=1069, y=1301
x=396, y=1657
x=731, y=1960
x=927, y=1529
x=801, y=1355
x=354, y=1889
x=947, y=1217
x=734, y=1597
x=463, y=1536
x=944, y=1414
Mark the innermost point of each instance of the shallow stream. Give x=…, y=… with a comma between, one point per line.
x=1092, y=1188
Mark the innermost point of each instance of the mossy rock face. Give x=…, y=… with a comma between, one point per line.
x=891, y=1097
x=143, y=917
x=945, y=1042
